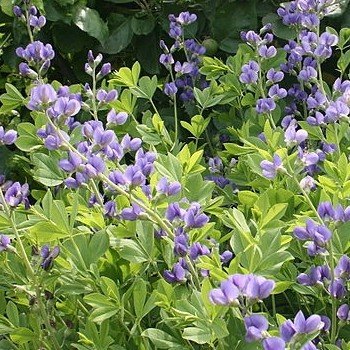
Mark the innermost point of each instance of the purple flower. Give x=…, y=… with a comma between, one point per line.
x=287, y=330
x=337, y=289
x=276, y=92
x=342, y=269
x=72, y=163
x=17, y=194
x=274, y=76
x=343, y=313
x=326, y=210
x=308, y=325
x=267, y=52
x=265, y=105
x=293, y=136
x=41, y=96
x=226, y=256
x=134, y=176
x=116, y=118
x=105, y=70
x=307, y=183
x=106, y=97
x=181, y=243
x=259, y=288
x=17, y=11
x=186, y=18
x=37, y=22
x=131, y=213
x=307, y=74
x=169, y=189
x=110, y=209
x=64, y=106
x=197, y=249
x=129, y=144
x=177, y=274
x=317, y=275
x=5, y=241
x=227, y=294
x=48, y=256
x=170, y=89
x=193, y=218
x=336, y=110
x=7, y=138
x=174, y=212
x=256, y=326
x=270, y=169
x=274, y=343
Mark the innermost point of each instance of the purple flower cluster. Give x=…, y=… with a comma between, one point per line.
x=317, y=235
x=16, y=194
x=187, y=72
x=330, y=213
x=7, y=137
x=38, y=58
x=239, y=289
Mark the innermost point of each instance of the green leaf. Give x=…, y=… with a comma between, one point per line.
x=161, y=339
x=46, y=170
x=143, y=25
x=197, y=335
x=23, y=335
x=89, y=20
x=131, y=251
x=98, y=245
x=11, y=99
x=12, y=313
x=27, y=140
x=119, y=38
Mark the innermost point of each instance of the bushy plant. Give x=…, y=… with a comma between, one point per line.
x=118, y=233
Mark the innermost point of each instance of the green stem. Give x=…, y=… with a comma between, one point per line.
x=193, y=274
x=94, y=106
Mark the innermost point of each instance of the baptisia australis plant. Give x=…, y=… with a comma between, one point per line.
x=129, y=236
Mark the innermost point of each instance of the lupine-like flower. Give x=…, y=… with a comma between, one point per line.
x=174, y=211
x=227, y=294
x=307, y=183
x=41, y=96
x=131, y=213
x=336, y=110
x=342, y=269
x=177, y=274
x=301, y=325
x=337, y=288
x=5, y=242
x=72, y=163
x=37, y=22
x=293, y=136
x=48, y=256
x=194, y=218
x=170, y=89
x=343, y=313
x=226, y=256
x=215, y=165
x=7, y=137
x=259, y=288
x=274, y=76
x=110, y=209
x=249, y=73
x=180, y=243
x=197, y=249
x=270, y=169
x=17, y=194
x=129, y=144
x=274, y=343
x=103, y=96
x=267, y=52
x=64, y=106
x=317, y=275
x=169, y=189
x=265, y=105
x=256, y=326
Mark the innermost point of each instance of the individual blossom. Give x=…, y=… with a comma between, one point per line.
x=227, y=294
x=177, y=274
x=274, y=343
x=131, y=213
x=64, y=107
x=104, y=96
x=256, y=326
x=215, y=165
x=197, y=249
x=72, y=163
x=276, y=92
x=110, y=209
x=48, y=256
x=270, y=169
x=267, y=52
x=342, y=269
x=316, y=276
x=274, y=76
x=41, y=96
x=259, y=288
x=170, y=89
x=249, y=73
x=5, y=242
x=180, y=243
x=265, y=105
x=193, y=217
x=17, y=194
x=336, y=110
x=168, y=189
x=174, y=212
x=292, y=136
x=343, y=313
x=7, y=137
x=337, y=288
x=308, y=325
x=307, y=183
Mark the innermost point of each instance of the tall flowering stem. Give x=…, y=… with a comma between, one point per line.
x=331, y=254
